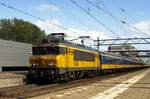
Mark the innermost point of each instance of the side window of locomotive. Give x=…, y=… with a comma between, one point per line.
x=83, y=56
x=62, y=50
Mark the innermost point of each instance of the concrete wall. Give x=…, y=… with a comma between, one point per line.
x=0, y=69
x=14, y=53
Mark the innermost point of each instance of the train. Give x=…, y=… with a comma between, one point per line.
x=59, y=60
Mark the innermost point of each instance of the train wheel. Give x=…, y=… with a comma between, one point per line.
x=74, y=76
x=30, y=78
x=91, y=74
x=67, y=77
x=77, y=73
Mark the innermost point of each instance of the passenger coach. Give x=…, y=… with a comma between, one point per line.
x=117, y=62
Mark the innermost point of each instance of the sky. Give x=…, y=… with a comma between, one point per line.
x=78, y=23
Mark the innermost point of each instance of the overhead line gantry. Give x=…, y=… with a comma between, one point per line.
x=121, y=41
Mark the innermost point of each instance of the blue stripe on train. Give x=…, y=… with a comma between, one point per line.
x=111, y=60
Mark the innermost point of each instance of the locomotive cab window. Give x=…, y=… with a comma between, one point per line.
x=48, y=50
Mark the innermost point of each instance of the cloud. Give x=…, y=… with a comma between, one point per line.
x=143, y=26
x=49, y=28
x=47, y=8
x=95, y=34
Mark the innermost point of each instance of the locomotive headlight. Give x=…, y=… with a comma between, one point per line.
x=52, y=72
x=51, y=64
x=34, y=64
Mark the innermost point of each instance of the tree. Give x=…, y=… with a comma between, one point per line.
x=20, y=31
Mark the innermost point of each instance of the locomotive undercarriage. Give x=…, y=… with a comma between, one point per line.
x=40, y=75
x=46, y=75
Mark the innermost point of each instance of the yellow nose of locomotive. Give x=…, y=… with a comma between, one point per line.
x=49, y=60
x=45, y=61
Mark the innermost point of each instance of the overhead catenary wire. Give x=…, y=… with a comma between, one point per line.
x=124, y=22
x=73, y=17
x=92, y=16
x=108, y=13
x=114, y=18
x=123, y=10
x=28, y=14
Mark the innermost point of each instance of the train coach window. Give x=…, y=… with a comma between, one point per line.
x=48, y=50
x=83, y=56
x=107, y=59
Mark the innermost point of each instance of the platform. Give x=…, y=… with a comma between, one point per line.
x=139, y=90
x=134, y=85
x=11, y=79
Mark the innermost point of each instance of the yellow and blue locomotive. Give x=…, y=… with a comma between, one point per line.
x=61, y=60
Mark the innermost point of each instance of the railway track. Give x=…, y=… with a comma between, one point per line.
x=32, y=90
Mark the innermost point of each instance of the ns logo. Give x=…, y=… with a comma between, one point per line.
x=70, y=51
